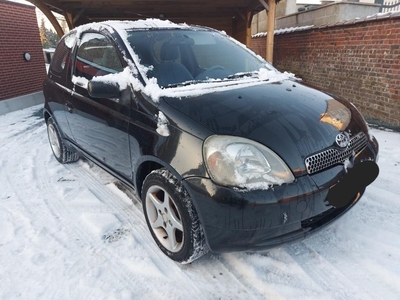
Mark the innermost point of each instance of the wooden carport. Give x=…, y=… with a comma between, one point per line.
x=232, y=16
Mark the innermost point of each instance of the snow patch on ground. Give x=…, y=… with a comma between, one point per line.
x=112, y=187
x=6, y=231
x=86, y=198
x=100, y=223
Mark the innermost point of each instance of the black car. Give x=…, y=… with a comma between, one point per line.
x=226, y=153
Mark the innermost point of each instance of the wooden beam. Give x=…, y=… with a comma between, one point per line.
x=242, y=16
x=256, y=5
x=78, y=15
x=266, y=6
x=47, y=12
x=270, y=31
x=68, y=17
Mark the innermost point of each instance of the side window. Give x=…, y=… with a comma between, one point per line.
x=96, y=56
x=62, y=55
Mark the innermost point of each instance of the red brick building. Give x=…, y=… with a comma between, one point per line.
x=19, y=34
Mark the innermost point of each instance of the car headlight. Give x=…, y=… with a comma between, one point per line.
x=239, y=162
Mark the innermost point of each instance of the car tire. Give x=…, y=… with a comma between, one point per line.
x=172, y=218
x=60, y=151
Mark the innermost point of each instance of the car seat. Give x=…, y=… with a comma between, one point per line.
x=169, y=71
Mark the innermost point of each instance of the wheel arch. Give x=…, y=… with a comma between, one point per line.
x=46, y=115
x=148, y=165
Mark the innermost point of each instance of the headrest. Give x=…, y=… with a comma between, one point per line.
x=169, y=52
x=170, y=49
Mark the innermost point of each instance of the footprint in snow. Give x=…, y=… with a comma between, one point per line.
x=115, y=235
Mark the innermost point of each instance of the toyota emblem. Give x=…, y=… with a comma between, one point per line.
x=343, y=139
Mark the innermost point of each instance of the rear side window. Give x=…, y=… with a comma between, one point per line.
x=62, y=55
x=96, y=56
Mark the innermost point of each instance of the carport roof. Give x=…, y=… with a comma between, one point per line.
x=233, y=16
x=98, y=10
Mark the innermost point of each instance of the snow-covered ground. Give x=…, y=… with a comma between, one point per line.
x=73, y=232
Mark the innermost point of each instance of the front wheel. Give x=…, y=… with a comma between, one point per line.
x=172, y=218
x=60, y=151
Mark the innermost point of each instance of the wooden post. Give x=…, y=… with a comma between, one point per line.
x=270, y=31
x=248, y=29
x=47, y=12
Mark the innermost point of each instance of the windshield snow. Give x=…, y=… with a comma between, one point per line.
x=181, y=57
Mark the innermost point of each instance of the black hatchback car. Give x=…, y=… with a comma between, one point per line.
x=225, y=152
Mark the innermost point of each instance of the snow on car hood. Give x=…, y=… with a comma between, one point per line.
x=291, y=119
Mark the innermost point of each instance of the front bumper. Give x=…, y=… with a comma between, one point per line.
x=235, y=220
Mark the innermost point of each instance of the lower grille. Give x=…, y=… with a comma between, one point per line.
x=329, y=215
x=333, y=156
x=314, y=220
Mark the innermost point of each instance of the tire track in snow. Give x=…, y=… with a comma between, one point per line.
x=231, y=280
x=325, y=273
x=134, y=215
x=274, y=275
x=36, y=164
x=347, y=243
x=11, y=149
x=39, y=225
x=237, y=264
x=209, y=269
x=129, y=215
x=67, y=214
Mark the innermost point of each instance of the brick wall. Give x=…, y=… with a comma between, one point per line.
x=19, y=33
x=359, y=62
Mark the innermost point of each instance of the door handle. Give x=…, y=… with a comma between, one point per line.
x=70, y=107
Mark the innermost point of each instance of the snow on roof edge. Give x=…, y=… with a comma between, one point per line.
x=128, y=24
x=377, y=16
x=283, y=31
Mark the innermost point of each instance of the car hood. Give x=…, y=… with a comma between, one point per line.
x=291, y=119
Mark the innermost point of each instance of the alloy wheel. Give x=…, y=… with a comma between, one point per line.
x=164, y=218
x=54, y=141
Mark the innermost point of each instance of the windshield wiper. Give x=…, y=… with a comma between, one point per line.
x=252, y=74
x=172, y=85
x=186, y=83
x=242, y=75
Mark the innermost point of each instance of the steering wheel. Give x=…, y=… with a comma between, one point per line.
x=215, y=67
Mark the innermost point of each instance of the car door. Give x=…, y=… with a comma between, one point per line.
x=99, y=126
x=54, y=86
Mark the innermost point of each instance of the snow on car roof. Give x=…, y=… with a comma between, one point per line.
x=143, y=24
x=126, y=25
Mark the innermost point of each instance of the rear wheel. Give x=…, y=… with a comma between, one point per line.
x=60, y=151
x=172, y=218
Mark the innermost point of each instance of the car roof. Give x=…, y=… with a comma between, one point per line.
x=137, y=25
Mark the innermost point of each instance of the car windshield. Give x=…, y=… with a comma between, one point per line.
x=181, y=57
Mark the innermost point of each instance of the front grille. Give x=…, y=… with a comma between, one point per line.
x=333, y=156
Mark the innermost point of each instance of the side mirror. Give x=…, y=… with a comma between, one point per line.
x=101, y=89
